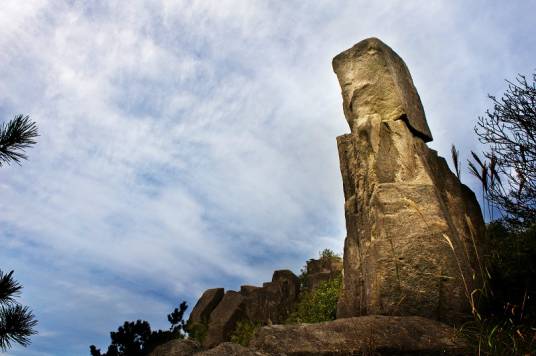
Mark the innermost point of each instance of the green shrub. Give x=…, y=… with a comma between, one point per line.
x=496, y=336
x=244, y=332
x=505, y=323
x=327, y=254
x=197, y=331
x=318, y=305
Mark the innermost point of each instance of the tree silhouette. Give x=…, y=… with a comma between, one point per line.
x=16, y=321
x=509, y=130
x=137, y=338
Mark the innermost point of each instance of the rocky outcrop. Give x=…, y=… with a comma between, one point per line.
x=322, y=270
x=216, y=314
x=230, y=349
x=179, y=347
x=413, y=230
x=223, y=319
x=367, y=335
x=205, y=305
x=275, y=300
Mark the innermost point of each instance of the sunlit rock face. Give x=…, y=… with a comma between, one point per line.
x=413, y=230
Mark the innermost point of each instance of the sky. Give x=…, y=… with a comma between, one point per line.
x=187, y=145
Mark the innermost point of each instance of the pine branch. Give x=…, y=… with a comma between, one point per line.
x=17, y=324
x=15, y=136
x=9, y=288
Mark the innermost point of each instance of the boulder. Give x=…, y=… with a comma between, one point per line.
x=414, y=232
x=322, y=270
x=205, y=305
x=367, y=335
x=223, y=319
x=185, y=347
x=274, y=301
x=323, y=264
x=230, y=349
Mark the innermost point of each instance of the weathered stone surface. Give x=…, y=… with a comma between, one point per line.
x=412, y=227
x=219, y=313
x=223, y=319
x=247, y=290
x=275, y=300
x=205, y=305
x=376, y=81
x=230, y=349
x=321, y=270
x=367, y=335
x=177, y=348
x=331, y=264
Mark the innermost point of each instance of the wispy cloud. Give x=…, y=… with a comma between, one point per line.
x=187, y=145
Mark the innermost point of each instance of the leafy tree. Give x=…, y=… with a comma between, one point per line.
x=509, y=130
x=17, y=322
x=15, y=136
x=137, y=338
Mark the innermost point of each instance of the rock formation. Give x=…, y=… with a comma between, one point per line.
x=205, y=305
x=215, y=315
x=413, y=230
x=322, y=270
x=366, y=335
x=411, y=255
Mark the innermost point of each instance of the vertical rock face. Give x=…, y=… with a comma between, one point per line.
x=224, y=318
x=205, y=305
x=413, y=230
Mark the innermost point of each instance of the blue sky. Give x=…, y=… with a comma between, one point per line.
x=191, y=144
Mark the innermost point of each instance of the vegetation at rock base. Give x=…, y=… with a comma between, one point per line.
x=505, y=320
x=137, y=338
x=197, y=331
x=505, y=316
x=318, y=305
x=244, y=332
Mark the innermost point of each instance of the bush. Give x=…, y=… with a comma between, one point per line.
x=318, y=305
x=505, y=323
x=512, y=264
x=244, y=332
x=327, y=254
x=197, y=331
x=500, y=337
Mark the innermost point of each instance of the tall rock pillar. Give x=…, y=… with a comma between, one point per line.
x=413, y=230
